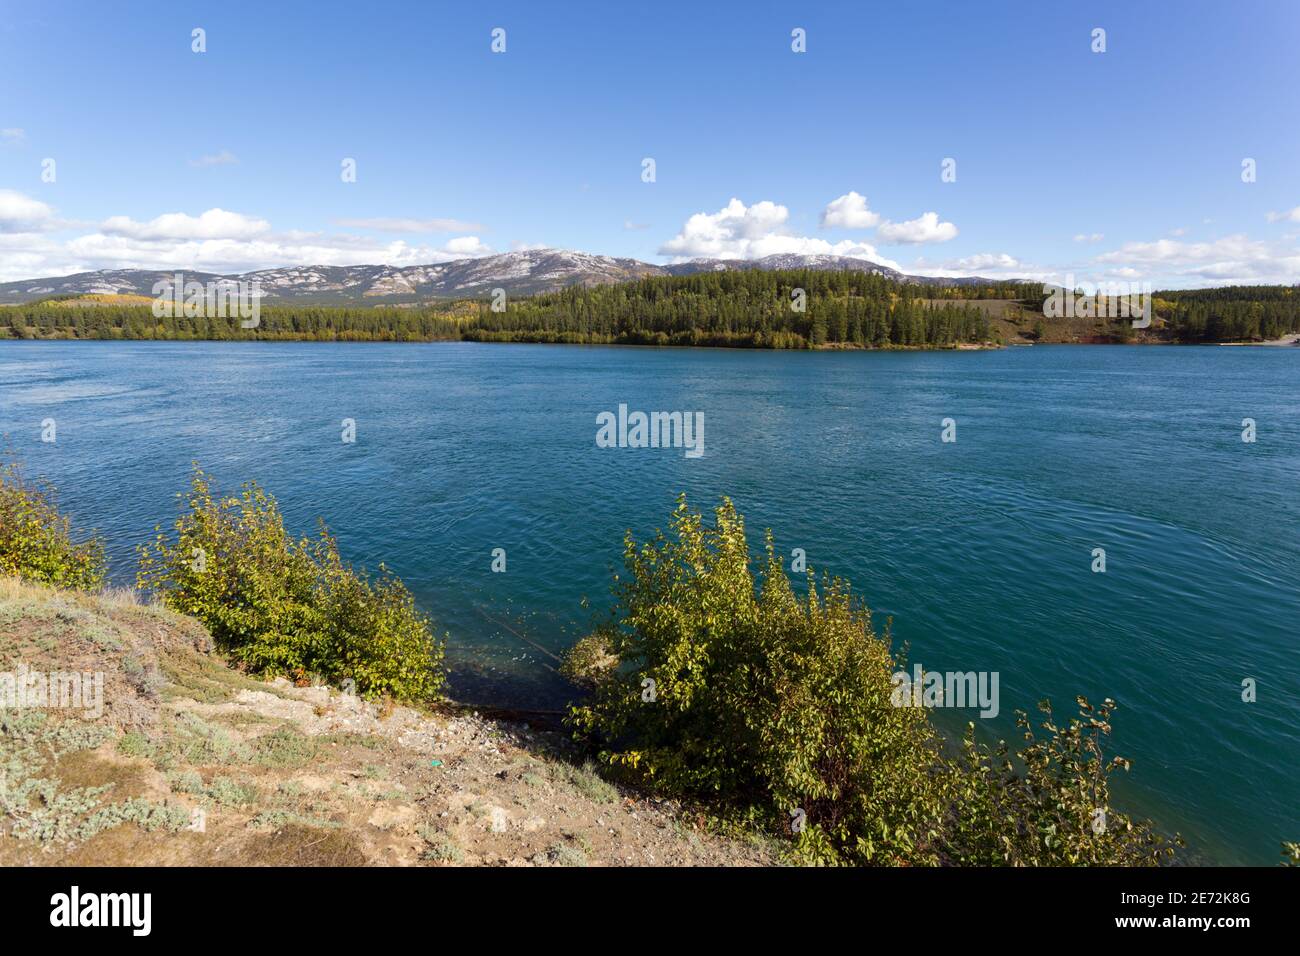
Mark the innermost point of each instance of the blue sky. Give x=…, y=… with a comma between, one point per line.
x=1122, y=164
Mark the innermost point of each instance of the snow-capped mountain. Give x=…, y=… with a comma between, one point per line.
x=827, y=263
x=519, y=273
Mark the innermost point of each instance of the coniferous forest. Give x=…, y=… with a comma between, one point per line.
x=750, y=309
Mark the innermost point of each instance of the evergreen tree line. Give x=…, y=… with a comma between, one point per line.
x=46, y=320
x=745, y=308
x=741, y=308
x=754, y=308
x=1227, y=314
x=1232, y=313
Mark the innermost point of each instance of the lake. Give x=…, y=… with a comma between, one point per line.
x=980, y=549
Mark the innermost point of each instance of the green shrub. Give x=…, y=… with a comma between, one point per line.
x=589, y=661
x=285, y=606
x=778, y=709
x=1049, y=805
x=770, y=703
x=36, y=542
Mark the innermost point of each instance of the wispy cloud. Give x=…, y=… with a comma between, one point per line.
x=1288, y=215
x=389, y=224
x=223, y=158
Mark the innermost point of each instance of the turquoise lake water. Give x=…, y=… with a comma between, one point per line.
x=980, y=549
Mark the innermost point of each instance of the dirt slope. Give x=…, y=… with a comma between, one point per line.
x=192, y=763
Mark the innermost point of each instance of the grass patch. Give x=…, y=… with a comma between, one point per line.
x=189, y=740
x=563, y=854
x=276, y=819
x=201, y=678
x=285, y=748
x=440, y=849
x=585, y=779
x=351, y=739
x=223, y=791
x=40, y=806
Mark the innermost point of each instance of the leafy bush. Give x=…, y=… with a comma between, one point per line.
x=772, y=703
x=589, y=661
x=286, y=606
x=778, y=709
x=36, y=542
x=1050, y=804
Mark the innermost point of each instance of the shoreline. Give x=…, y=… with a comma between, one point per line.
x=1284, y=342
x=1292, y=340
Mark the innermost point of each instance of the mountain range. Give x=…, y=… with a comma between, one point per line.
x=518, y=273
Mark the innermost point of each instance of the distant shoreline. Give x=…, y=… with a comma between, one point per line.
x=1288, y=341
x=794, y=310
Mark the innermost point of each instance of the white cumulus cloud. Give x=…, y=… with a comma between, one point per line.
x=213, y=224
x=1227, y=260
x=100, y=251
x=737, y=231
x=925, y=228
x=213, y=241
x=849, y=212
x=988, y=260
x=989, y=265
x=21, y=213
x=467, y=247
